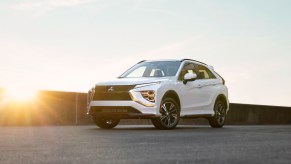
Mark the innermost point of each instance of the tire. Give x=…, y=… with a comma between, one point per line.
x=170, y=115
x=218, y=120
x=105, y=123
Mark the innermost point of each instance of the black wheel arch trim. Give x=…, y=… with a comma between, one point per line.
x=223, y=98
x=174, y=95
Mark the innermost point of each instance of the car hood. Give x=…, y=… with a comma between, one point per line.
x=133, y=81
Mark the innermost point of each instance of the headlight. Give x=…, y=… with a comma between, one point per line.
x=145, y=97
x=148, y=95
x=90, y=95
x=147, y=84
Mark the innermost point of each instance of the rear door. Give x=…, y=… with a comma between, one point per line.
x=208, y=85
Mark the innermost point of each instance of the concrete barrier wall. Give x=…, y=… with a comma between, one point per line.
x=69, y=108
x=48, y=108
x=258, y=114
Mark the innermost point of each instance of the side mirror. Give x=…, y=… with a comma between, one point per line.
x=189, y=77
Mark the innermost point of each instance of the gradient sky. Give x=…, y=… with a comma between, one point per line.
x=69, y=45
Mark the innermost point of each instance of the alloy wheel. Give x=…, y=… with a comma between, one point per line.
x=220, y=113
x=169, y=113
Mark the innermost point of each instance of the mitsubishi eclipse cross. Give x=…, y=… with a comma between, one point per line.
x=163, y=91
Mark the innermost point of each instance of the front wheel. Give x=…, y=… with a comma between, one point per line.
x=170, y=115
x=217, y=121
x=105, y=123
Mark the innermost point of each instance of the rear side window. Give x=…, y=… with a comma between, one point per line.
x=205, y=73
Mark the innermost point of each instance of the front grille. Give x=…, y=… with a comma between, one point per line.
x=117, y=92
x=114, y=109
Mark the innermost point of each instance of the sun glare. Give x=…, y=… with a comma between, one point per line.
x=21, y=95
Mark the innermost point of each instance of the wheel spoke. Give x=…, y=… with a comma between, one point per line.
x=220, y=109
x=164, y=107
x=165, y=120
x=169, y=121
x=163, y=117
x=175, y=116
x=172, y=109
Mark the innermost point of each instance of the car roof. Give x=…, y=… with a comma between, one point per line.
x=181, y=60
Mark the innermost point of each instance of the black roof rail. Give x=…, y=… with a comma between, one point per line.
x=141, y=61
x=194, y=60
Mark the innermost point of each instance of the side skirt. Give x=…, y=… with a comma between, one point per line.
x=197, y=116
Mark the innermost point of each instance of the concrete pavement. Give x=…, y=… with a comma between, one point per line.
x=145, y=144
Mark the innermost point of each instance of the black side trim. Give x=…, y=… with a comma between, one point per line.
x=197, y=116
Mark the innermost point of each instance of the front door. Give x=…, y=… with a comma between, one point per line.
x=197, y=96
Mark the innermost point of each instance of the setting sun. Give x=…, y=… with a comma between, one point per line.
x=20, y=94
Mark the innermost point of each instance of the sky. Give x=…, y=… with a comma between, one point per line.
x=69, y=45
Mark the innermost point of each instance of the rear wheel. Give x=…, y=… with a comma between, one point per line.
x=105, y=123
x=170, y=115
x=217, y=121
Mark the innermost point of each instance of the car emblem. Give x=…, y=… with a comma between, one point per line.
x=111, y=89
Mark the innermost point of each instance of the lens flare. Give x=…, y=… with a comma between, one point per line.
x=21, y=95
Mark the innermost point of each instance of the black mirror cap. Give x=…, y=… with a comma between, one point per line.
x=186, y=81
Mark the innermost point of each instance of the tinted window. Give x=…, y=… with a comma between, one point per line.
x=205, y=73
x=188, y=68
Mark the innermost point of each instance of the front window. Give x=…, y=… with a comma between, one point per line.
x=188, y=68
x=153, y=69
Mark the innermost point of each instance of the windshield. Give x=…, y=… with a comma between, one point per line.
x=153, y=69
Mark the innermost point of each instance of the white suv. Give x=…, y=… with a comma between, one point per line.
x=163, y=91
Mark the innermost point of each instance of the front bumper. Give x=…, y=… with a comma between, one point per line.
x=123, y=109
